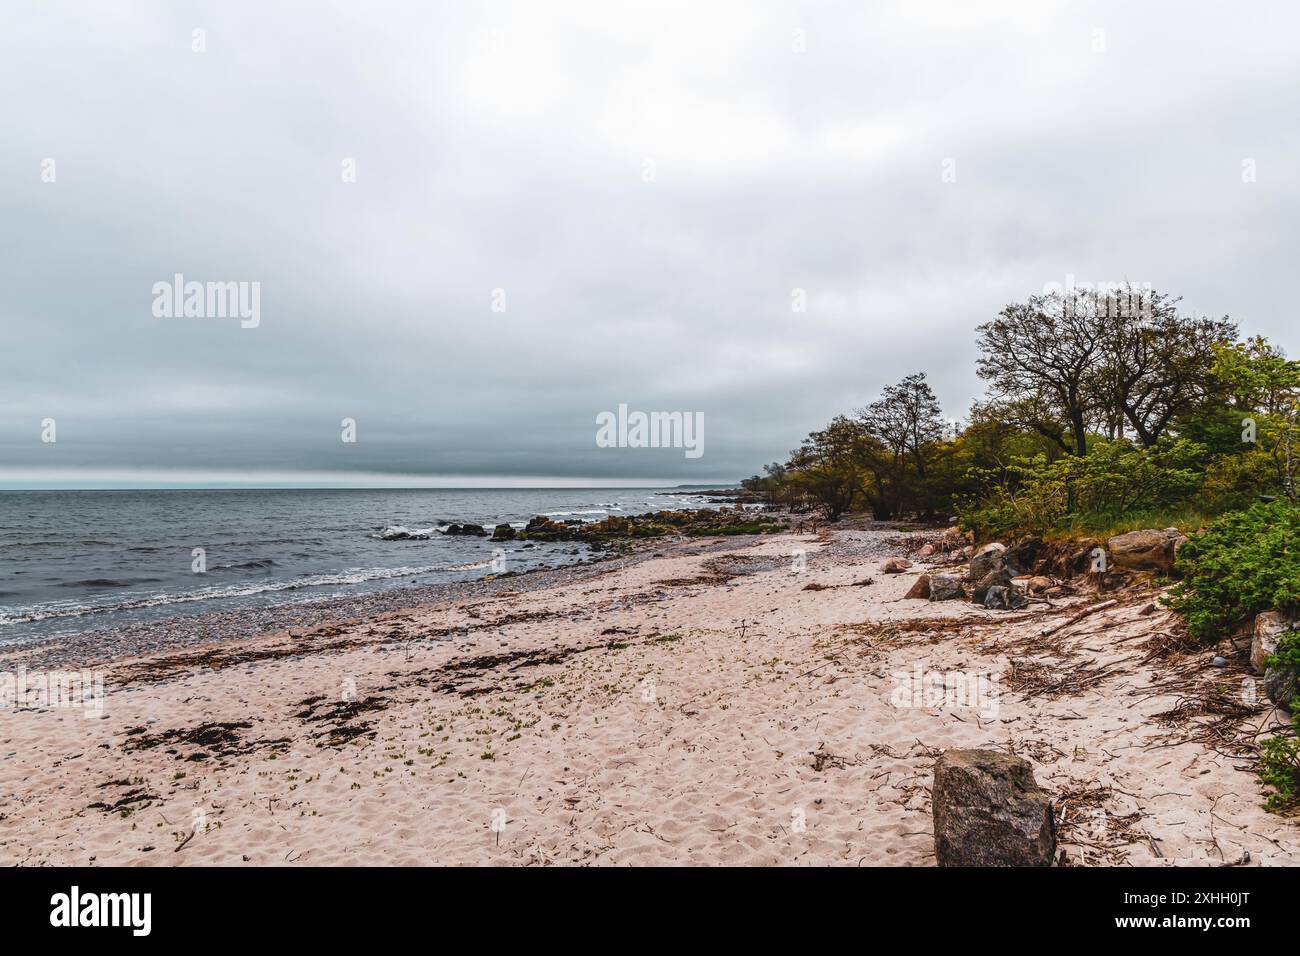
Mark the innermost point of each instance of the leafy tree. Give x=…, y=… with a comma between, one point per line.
x=1266, y=384
x=830, y=466
x=907, y=425
x=1157, y=364
x=1042, y=359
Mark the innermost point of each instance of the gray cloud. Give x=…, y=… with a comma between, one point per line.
x=504, y=146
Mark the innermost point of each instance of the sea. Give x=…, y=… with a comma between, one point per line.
x=73, y=561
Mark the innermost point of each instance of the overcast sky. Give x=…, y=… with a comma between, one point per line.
x=647, y=182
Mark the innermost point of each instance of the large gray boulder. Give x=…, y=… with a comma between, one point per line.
x=1145, y=550
x=986, y=559
x=989, y=811
x=946, y=587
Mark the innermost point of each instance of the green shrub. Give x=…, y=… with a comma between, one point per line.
x=1243, y=563
x=1114, y=482
x=1279, y=768
x=1279, y=757
x=1235, y=482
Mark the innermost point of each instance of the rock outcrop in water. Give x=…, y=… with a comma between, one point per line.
x=653, y=524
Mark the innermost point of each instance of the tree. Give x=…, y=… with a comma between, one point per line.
x=1157, y=365
x=1116, y=361
x=830, y=465
x=907, y=420
x=907, y=424
x=1043, y=358
x=1268, y=384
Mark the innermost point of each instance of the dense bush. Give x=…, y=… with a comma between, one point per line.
x=1113, y=483
x=1243, y=563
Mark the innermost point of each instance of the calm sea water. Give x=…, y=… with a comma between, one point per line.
x=75, y=560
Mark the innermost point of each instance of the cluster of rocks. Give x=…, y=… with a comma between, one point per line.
x=473, y=530
x=652, y=524
x=989, y=580
x=950, y=548
x=1004, y=577
x=424, y=534
x=735, y=495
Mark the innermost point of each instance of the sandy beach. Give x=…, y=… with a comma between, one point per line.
x=723, y=702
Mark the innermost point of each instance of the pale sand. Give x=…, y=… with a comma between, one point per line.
x=718, y=764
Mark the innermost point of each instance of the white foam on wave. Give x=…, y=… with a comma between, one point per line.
x=401, y=533
x=57, y=609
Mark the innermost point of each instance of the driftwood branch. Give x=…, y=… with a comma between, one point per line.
x=1048, y=631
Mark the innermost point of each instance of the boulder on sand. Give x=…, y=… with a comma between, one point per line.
x=986, y=559
x=895, y=566
x=1004, y=598
x=1145, y=550
x=920, y=589
x=989, y=811
x=946, y=587
x=1000, y=578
